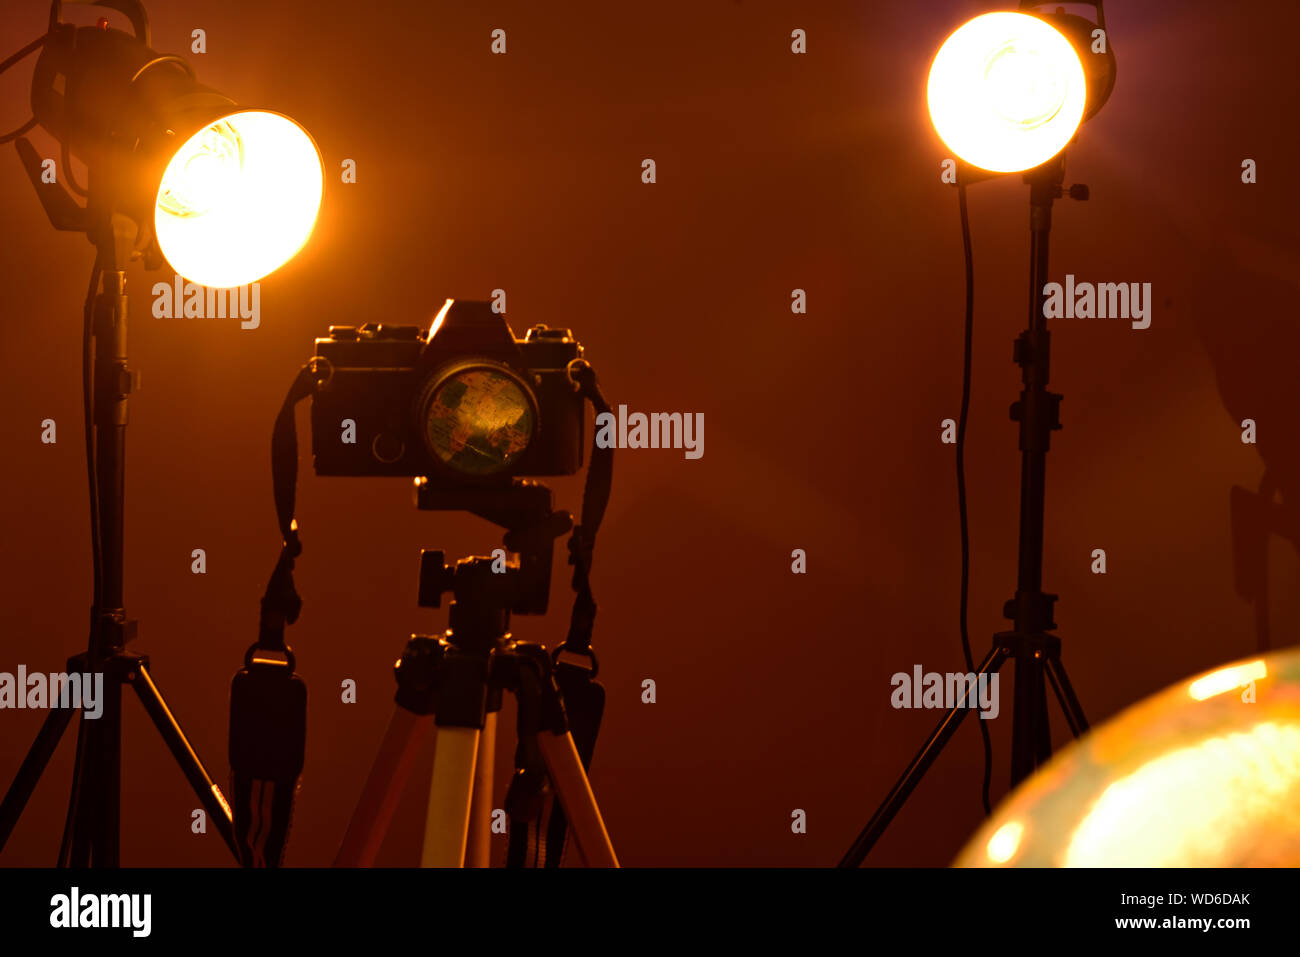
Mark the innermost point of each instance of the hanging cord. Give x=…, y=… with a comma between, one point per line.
x=961, y=477
x=92, y=484
x=25, y=51
x=88, y=415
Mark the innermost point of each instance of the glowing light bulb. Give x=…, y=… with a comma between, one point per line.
x=239, y=199
x=1025, y=88
x=203, y=173
x=1006, y=92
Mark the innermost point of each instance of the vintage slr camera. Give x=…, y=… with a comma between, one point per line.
x=465, y=403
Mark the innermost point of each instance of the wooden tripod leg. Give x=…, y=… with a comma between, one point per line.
x=382, y=790
x=478, y=852
x=446, y=826
x=577, y=799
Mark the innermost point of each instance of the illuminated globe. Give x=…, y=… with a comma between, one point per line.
x=1203, y=774
x=479, y=421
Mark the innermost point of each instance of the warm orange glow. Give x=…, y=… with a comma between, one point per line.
x=1226, y=679
x=1006, y=91
x=1195, y=806
x=239, y=199
x=1005, y=842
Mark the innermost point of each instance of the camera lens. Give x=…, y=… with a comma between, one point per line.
x=478, y=419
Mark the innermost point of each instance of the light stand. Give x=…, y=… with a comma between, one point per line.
x=94, y=813
x=176, y=170
x=1030, y=642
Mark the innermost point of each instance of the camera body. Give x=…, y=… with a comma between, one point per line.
x=464, y=403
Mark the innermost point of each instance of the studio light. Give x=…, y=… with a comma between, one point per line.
x=239, y=199
x=1008, y=90
x=226, y=195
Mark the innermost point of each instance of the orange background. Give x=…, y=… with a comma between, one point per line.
x=775, y=172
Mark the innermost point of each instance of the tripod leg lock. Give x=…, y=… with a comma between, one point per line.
x=1029, y=645
x=113, y=631
x=417, y=673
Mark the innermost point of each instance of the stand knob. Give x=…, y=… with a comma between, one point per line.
x=435, y=578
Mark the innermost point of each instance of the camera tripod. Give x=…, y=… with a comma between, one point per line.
x=92, y=833
x=459, y=679
x=1030, y=642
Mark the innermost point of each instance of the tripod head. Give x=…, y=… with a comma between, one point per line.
x=495, y=586
x=485, y=590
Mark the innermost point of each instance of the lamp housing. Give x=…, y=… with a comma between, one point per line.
x=226, y=194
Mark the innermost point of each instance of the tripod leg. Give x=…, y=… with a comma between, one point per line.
x=105, y=846
x=74, y=798
x=30, y=771
x=1025, y=726
x=1044, y=753
x=577, y=799
x=382, y=790
x=1060, y=699
x=446, y=826
x=208, y=793
x=870, y=834
x=1031, y=738
x=1071, y=703
x=478, y=851
x=88, y=782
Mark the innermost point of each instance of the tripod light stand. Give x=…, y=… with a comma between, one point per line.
x=226, y=195
x=1007, y=92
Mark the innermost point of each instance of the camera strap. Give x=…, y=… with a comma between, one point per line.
x=582, y=542
x=584, y=697
x=268, y=700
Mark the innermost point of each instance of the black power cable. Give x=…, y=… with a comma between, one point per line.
x=92, y=483
x=87, y=370
x=88, y=414
x=92, y=478
x=30, y=48
x=961, y=477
